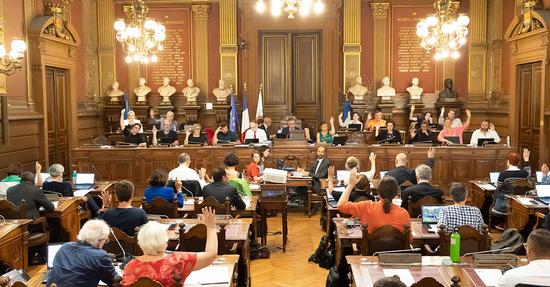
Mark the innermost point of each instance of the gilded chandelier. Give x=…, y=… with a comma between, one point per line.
x=142, y=37
x=445, y=31
x=291, y=7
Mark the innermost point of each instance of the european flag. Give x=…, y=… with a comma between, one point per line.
x=233, y=120
x=127, y=107
x=347, y=108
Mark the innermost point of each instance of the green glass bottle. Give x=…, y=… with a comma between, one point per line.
x=455, y=247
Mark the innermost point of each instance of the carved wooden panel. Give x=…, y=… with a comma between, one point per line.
x=276, y=74
x=528, y=89
x=57, y=115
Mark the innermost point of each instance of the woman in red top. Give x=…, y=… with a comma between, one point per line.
x=253, y=169
x=379, y=213
x=167, y=267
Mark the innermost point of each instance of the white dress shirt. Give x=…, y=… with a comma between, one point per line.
x=182, y=172
x=478, y=134
x=260, y=135
x=534, y=273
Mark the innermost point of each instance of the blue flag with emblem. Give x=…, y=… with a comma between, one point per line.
x=347, y=108
x=233, y=120
x=126, y=106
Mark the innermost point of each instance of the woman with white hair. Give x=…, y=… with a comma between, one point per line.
x=56, y=183
x=84, y=262
x=165, y=267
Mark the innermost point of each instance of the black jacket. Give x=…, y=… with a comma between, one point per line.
x=221, y=190
x=419, y=191
x=402, y=173
x=386, y=137
x=33, y=196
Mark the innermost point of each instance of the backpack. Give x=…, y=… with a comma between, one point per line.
x=259, y=252
x=338, y=277
x=511, y=238
x=324, y=254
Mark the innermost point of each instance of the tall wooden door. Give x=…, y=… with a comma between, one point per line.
x=529, y=83
x=57, y=88
x=290, y=73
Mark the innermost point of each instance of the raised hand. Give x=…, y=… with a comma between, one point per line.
x=106, y=198
x=353, y=177
x=154, y=129
x=331, y=171
x=209, y=215
x=178, y=185
x=37, y=167
x=492, y=126
x=340, y=115
x=468, y=113
x=122, y=111
x=442, y=110
x=413, y=108
x=431, y=152
x=544, y=169
x=372, y=157
x=526, y=154
x=369, y=117
x=331, y=120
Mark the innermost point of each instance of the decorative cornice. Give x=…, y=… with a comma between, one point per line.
x=200, y=11
x=380, y=9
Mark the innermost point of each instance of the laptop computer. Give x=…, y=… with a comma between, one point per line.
x=342, y=175
x=485, y=141
x=430, y=217
x=52, y=250
x=251, y=141
x=354, y=127
x=539, y=176
x=543, y=193
x=340, y=140
x=382, y=173
x=455, y=140
x=84, y=181
x=493, y=177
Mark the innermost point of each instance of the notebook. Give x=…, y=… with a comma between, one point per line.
x=52, y=250
x=543, y=193
x=430, y=217
x=84, y=181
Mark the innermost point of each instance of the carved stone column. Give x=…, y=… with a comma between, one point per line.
x=106, y=45
x=494, y=38
x=200, y=48
x=381, y=43
x=89, y=37
x=477, y=71
x=228, y=43
x=352, y=42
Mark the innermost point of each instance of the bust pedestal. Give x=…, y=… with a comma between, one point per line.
x=386, y=107
x=163, y=109
x=154, y=99
x=191, y=113
x=222, y=112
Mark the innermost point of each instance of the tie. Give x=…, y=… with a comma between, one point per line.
x=254, y=134
x=318, y=165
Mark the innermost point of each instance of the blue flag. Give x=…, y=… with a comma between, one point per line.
x=126, y=106
x=347, y=108
x=233, y=120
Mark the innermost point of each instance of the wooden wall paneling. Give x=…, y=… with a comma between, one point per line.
x=305, y=77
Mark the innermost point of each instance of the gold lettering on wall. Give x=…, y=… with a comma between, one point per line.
x=411, y=58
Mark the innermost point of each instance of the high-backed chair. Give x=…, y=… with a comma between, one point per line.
x=220, y=208
x=148, y=282
x=415, y=208
x=160, y=206
x=471, y=240
x=37, y=228
x=385, y=238
x=405, y=184
x=313, y=197
x=194, y=239
x=129, y=243
x=515, y=186
x=188, y=187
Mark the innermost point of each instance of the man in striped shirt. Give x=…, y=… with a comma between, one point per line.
x=460, y=214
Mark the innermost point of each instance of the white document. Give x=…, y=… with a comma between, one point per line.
x=254, y=186
x=525, y=200
x=81, y=192
x=55, y=203
x=209, y=275
x=404, y=274
x=489, y=277
x=246, y=201
x=488, y=186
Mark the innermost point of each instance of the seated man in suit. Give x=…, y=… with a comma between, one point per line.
x=422, y=189
x=220, y=189
x=253, y=133
x=84, y=262
x=536, y=272
x=224, y=135
x=318, y=170
x=124, y=217
x=401, y=173
x=33, y=196
x=291, y=126
x=459, y=214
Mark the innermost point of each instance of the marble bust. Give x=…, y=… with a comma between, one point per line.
x=385, y=91
x=415, y=91
x=115, y=93
x=448, y=95
x=191, y=92
x=358, y=90
x=141, y=90
x=221, y=92
x=166, y=90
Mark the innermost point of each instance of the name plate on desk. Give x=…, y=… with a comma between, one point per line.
x=400, y=258
x=495, y=259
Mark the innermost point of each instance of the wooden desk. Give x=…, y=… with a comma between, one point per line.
x=137, y=164
x=279, y=205
x=366, y=270
x=521, y=215
x=345, y=237
x=482, y=196
x=236, y=231
x=222, y=260
x=14, y=241
x=64, y=221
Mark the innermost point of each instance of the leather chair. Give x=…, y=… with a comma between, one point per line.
x=515, y=186
x=415, y=208
x=194, y=239
x=405, y=184
x=385, y=238
x=540, y=219
x=211, y=202
x=148, y=282
x=160, y=206
x=188, y=187
x=129, y=243
x=313, y=197
x=471, y=240
x=37, y=228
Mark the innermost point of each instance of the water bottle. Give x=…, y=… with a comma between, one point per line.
x=455, y=247
x=73, y=179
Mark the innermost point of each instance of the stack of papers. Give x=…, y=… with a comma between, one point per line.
x=404, y=274
x=209, y=275
x=489, y=277
x=81, y=192
x=488, y=186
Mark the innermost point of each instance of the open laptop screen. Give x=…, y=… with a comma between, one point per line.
x=342, y=175
x=52, y=250
x=543, y=190
x=493, y=176
x=430, y=213
x=85, y=178
x=539, y=176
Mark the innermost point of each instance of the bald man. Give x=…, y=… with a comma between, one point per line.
x=402, y=173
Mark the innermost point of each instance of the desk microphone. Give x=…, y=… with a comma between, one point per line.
x=125, y=259
x=397, y=251
x=97, y=172
x=488, y=251
x=53, y=192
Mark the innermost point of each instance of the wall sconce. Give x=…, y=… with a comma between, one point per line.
x=242, y=44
